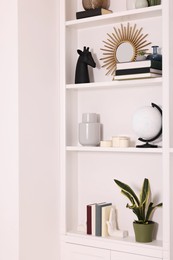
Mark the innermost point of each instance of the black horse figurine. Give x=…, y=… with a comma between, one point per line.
x=85, y=59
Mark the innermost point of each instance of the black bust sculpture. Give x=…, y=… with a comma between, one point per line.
x=85, y=59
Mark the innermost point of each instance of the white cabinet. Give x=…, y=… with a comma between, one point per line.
x=87, y=173
x=78, y=252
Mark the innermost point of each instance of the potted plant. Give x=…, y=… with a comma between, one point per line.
x=141, y=56
x=143, y=208
x=154, y=2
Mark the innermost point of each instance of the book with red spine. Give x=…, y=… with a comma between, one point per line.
x=89, y=219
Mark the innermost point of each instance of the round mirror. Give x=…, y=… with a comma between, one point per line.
x=122, y=46
x=125, y=52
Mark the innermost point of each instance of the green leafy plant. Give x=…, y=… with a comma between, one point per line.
x=141, y=53
x=141, y=207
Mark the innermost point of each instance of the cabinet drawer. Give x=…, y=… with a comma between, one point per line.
x=77, y=252
x=126, y=256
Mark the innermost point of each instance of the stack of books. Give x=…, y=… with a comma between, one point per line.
x=138, y=69
x=92, y=12
x=97, y=216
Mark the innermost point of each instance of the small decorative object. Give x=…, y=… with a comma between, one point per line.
x=155, y=55
x=120, y=141
x=85, y=59
x=141, y=3
x=89, y=130
x=106, y=143
x=92, y=4
x=147, y=123
x=141, y=56
x=113, y=231
x=130, y=4
x=154, y=2
x=92, y=12
x=123, y=45
x=142, y=208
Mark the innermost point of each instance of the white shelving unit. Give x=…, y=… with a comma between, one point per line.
x=87, y=173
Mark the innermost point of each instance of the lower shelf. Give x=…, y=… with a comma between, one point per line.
x=128, y=245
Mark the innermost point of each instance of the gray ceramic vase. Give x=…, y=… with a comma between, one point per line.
x=89, y=130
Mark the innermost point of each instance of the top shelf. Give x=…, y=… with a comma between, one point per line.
x=124, y=16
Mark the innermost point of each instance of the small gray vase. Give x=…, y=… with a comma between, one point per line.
x=89, y=130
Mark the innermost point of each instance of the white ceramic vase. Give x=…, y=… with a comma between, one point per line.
x=141, y=3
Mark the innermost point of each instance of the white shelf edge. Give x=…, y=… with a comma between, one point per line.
x=129, y=239
x=171, y=150
x=114, y=17
x=128, y=244
x=115, y=84
x=112, y=149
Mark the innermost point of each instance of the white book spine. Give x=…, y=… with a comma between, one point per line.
x=93, y=220
x=133, y=65
x=137, y=76
x=105, y=217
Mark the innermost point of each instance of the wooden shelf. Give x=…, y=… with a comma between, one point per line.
x=124, y=16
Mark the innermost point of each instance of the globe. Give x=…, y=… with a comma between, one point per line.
x=147, y=124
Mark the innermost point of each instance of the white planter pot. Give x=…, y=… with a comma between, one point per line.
x=141, y=3
x=130, y=4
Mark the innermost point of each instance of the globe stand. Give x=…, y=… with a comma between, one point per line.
x=147, y=145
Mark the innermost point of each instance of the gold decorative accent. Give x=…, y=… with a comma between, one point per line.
x=130, y=35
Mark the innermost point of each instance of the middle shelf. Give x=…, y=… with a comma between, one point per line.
x=112, y=149
x=115, y=104
x=115, y=84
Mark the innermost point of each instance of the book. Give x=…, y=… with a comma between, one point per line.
x=137, y=76
x=93, y=219
x=139, y=64
x=137, y=71
x=89, y=219
x=105, y=217
x=98, y=229
x=92, y=12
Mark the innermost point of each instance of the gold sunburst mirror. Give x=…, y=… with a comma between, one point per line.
x=123, y=45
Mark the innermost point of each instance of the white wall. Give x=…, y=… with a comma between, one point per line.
x=9, y=174
x=29, y=130
x=38, y=104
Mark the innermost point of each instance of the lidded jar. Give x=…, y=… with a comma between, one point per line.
x=89, y=130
